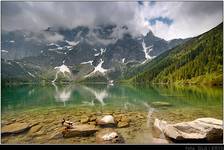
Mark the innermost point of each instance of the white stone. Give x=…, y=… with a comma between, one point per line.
x=109, y=136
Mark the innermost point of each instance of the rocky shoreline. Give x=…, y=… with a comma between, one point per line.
x=112, y=128
x=46, y=126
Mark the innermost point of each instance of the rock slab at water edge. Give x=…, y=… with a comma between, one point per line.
x=80, y=130
x=202, y=129
x=15, y=128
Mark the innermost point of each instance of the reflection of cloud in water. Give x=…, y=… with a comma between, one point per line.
x=62, y=95
x=99, y=95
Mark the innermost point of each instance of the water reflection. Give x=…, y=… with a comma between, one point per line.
x=31, y=92
x=100, y=95
x=127, y=105
x=89, y=103
x=63, y=94
x=120, y=97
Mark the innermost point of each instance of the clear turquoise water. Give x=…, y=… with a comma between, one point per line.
x=53, y=102
x=24, y=97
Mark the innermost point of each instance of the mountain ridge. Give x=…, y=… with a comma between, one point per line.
x=80, y=45
x=197, y=61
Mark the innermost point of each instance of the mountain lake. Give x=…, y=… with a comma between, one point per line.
x=47, y=105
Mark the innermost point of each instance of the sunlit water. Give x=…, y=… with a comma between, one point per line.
x=49, y=104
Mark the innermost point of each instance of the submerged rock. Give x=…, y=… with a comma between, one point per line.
x=107, y=120
x=202, y=129
x=108, y=136
x=92, y=123
x=123, y=121
x=122, y=124
x=140, y=116
x=80, y=130
x=84, y=119
x=56, y=134
x=34, y=129
x=160, y=141
x=160, y=103
x=92, y=118
x=15, y=128
x=4, y=122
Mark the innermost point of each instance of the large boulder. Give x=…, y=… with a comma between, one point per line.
x=107, y=120
x=108, y=136
x=201, y=130
x=80, y=131
x=15, y=128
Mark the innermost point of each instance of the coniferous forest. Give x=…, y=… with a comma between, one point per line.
x=198, y=61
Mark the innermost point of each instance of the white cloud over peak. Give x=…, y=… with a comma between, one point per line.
x=169, y=20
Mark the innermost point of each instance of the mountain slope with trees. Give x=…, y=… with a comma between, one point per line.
x=198, y=61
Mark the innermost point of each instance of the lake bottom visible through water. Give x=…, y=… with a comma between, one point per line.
x=46, y=106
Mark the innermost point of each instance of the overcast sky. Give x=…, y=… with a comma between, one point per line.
x=167, y=20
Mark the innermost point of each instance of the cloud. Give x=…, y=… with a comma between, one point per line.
x=43, y=37
x=93, y=39
x=188, y=18
x=53, y=37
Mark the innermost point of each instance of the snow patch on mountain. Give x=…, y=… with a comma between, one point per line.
x=97, y=54
x=52, y=44
x=68, y=47
x=31, y=74
x=52, y=49
x=61, y=69
x=147, y=50
x=87, y=62
x=102, y=51
x=4, y=51
x=123, y=59
x=98, y=68
x=60, y=48
x=71, y=43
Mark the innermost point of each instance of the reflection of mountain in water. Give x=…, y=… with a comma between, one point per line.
x=63, y=94
x=100, y=95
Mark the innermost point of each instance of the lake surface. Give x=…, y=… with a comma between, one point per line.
x=49, y=104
